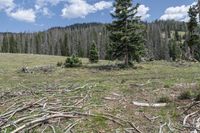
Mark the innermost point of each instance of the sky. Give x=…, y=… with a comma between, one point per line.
x=39, y=15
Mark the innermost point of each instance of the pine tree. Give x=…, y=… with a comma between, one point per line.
x=5, y=48
x=194, y=40
x=64, y=46
x=126, y=32
x=37, y=45
x=174, y=50
x=93, y=53
x=177, y=36
x=13, y=45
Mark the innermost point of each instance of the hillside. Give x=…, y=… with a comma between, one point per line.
x=98, y=100
x=76, y=39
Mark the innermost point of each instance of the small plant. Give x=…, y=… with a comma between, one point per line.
x=166, y=86
x=164, y=99
x=197, y=98
x=185, y=95
x=59, y=64
x=73, y=61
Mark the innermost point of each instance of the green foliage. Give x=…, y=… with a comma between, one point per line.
x=59, y=64
x=126, y=32
x=73, y=61
x=64, y=46
x=177, y=36
x=13, y=45
x=37, y=43
x=174, y=50
x=192, y=24
x=194, y=38
x=5, y=46
x=93, y=54
x=164, y=99
x=185, y=95
x=197, y=98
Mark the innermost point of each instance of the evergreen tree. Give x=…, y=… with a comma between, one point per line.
x=126, y=32
x=64, y=46
x=26, y=46
x=174, y=50
x=194, y=40
x=177, y=36
x=13, y=45
x=5, y=46
x=80, y=51
x=93, y=53
x=37, y=45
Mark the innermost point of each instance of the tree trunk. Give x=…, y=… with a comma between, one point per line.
x=199, y=9
x=126, y=60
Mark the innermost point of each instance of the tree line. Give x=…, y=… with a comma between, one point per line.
x=77, y=39
x=163, y=40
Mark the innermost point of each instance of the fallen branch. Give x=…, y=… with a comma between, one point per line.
x=190, y=106
x=69, y=127
x=40, y=120
x=161, y=127
x=20, y=120
x=187, y=116
x=149, y=104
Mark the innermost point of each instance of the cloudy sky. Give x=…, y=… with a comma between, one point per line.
x=35, y=15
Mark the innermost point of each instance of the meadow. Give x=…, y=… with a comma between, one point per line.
x=90, y=99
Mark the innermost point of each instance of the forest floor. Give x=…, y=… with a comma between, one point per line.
x=93, y=100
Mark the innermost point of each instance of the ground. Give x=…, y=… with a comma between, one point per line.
x=101, y=100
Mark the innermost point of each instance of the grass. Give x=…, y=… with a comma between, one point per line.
x=151, y=82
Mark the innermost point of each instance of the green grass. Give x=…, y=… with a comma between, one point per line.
x=149, y=83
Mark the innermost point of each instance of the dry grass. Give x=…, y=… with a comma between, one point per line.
x=113, y=92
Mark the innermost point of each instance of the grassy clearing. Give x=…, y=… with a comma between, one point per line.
x=112, y=91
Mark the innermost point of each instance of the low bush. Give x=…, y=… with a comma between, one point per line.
x=197, y=97
x=73, y=61
x=59, y=64
x=185, y=95
x=164, y=99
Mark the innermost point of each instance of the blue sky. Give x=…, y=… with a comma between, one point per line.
x=37, y=15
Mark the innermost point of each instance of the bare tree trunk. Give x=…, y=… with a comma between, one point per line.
x=199, y=9
x=126, y=51
x=126, y=59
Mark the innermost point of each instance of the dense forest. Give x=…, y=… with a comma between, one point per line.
x=162, y=38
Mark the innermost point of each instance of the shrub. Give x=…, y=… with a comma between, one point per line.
x=197, y=98
x=164, y=99
x=185, y=95
x=59, y=64
x=73, y=61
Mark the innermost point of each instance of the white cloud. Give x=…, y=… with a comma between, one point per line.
x=27, y=15
x=102, y=5
x=7, y=5
x=80, y=8
x=41, y=6
x=143, y=12
x=47, y=12
x=43, y=3
x=178, y=13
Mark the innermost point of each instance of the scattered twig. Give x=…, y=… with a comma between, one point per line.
x=161, y=127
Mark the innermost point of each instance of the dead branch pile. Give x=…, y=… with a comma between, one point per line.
x=44, y=69
x=191, y=120
x=43, y=114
